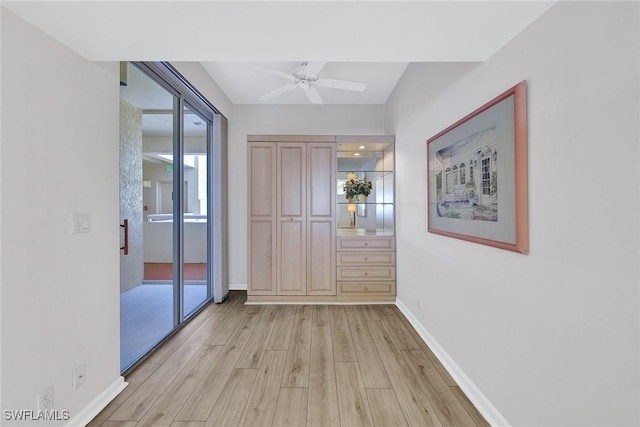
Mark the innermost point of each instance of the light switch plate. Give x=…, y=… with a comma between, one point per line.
x=80, y=223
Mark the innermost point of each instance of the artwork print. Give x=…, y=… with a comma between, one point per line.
x=467, y=179
x=477, y=171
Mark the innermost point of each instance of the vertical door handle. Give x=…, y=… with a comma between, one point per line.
x=125, y=248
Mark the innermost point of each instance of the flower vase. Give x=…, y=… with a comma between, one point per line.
x=360, y=198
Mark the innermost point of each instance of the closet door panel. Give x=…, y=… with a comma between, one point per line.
x=261, y=250
x=291, y=180
x=321, y=279
x=262, y=164
x=262, y=255
x=321, y=270
x=291, y=210
x=292, y=258
x=321, y=161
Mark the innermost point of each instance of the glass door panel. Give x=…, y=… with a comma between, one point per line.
x=146, y=201
x=194, y=163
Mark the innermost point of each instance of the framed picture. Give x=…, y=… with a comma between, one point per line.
x=477, y=175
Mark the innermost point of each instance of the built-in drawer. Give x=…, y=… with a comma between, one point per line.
x=372, y=243
x=366, y=273
x=366, y=258
x=381, y=288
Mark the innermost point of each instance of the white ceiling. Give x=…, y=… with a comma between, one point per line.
x=369, y=42
x=245, y=83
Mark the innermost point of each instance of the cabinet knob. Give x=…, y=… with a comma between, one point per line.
x=366, y=258
x=366, y=244
x=290, y=219
x=366, y=288
x=366, y=274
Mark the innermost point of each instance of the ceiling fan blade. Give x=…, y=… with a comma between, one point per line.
x=279, y=73
x=314, y=96
x=277, y=92
x=312, y=68
x=341, y=84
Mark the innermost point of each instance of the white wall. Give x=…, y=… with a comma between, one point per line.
x=277, y=120
x=550, y=338
x=202, y=81
x=1, y=223
x=60, y=292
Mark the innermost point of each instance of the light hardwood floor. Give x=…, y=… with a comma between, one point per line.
x=286, y=365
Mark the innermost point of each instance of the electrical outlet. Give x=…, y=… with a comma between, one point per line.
x=78, y=375
x=45, y=399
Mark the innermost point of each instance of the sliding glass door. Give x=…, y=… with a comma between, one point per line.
x=167, y=197
x=195, y=218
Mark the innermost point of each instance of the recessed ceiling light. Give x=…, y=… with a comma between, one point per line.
x=361, y=147
x=356, y=154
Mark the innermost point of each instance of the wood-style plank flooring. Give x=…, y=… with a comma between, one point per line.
x=286, y=365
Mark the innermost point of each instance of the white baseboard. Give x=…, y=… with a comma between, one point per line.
x=318, y=303
x=89, y=412
x=479, y=400
x=237, y=286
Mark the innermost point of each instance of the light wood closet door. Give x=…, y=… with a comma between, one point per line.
x=291, y=222
x=321, y=273
x=262, y=219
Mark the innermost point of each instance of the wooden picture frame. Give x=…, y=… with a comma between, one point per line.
x=477, y=175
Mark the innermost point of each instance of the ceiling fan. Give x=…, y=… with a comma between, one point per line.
x=306, y=78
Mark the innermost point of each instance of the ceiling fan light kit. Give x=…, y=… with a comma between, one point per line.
x=306, y=79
